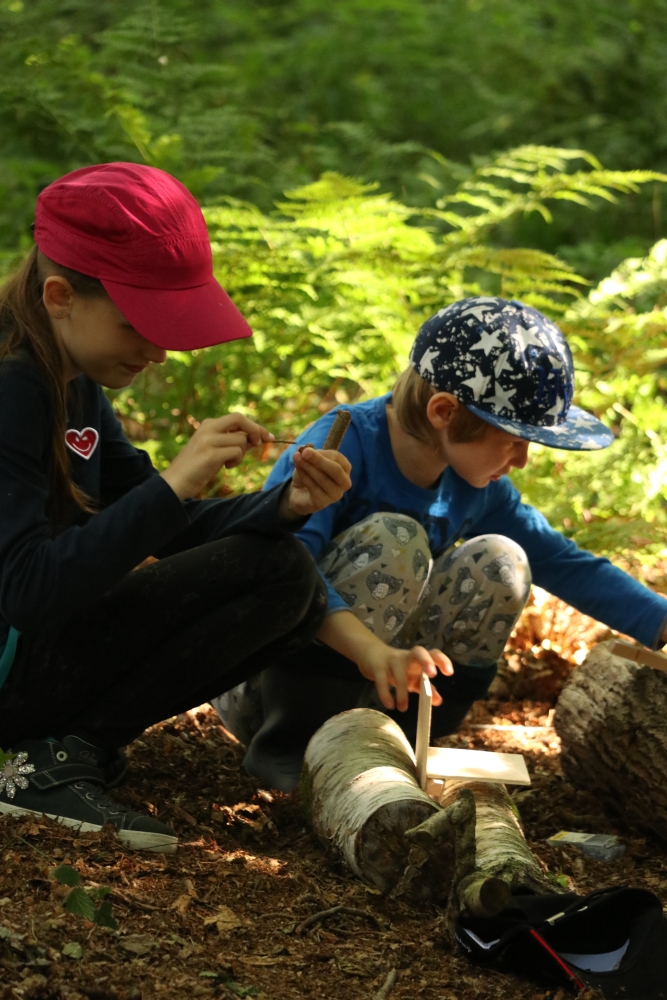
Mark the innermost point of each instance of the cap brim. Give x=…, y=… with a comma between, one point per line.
x=180, y=319
x=580, y=432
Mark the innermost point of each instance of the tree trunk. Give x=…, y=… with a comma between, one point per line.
x=612, y=721
x=362, y=797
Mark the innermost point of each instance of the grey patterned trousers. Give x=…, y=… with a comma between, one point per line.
x=465, y=602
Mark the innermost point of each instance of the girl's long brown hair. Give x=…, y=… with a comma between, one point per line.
x=25, y=325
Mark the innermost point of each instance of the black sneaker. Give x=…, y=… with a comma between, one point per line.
x=64, y=781
x=114, y=770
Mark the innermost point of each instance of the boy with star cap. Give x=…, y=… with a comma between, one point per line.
x=429, y=557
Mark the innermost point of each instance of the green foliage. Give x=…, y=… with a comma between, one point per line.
x=233, y=987
x=250, y=97
x=335, y=284
x=91, y=904
x=616, y=500
x=247, y=99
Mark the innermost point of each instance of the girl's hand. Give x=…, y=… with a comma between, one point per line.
x=402, y=670
x=320, y=478
x=216, y=442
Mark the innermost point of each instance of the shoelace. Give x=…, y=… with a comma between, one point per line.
x=97, y=795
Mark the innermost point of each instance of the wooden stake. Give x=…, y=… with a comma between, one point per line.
x=423, y=730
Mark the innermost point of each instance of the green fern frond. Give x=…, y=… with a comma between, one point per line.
x=525, y=180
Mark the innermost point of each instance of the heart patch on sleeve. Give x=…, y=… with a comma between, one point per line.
x=83, y=442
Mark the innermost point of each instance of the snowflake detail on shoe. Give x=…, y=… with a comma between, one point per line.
x=12, y=774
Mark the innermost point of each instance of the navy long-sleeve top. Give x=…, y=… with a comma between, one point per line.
x=46, y=579
x=453, y=510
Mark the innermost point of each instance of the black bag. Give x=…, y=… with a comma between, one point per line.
x=614, y=940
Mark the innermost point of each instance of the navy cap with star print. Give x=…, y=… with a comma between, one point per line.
x=511, y=366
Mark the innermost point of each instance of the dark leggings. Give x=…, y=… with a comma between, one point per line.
x=168, y=637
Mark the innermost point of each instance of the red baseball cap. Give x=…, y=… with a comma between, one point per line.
x=142, y=233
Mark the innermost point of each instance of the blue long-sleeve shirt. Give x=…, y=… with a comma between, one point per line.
x=455, y=510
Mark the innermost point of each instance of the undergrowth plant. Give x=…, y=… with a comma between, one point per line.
x=615, y=501
x=336, y=282
x=92, y=904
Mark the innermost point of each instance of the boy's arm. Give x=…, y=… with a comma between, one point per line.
x=592, y=584
x=387, y=667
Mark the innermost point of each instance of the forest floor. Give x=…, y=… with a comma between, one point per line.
x=221, y=917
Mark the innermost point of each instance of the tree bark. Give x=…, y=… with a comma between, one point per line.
x=612, y=721
x=362, y=797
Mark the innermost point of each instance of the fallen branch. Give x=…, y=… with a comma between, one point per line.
x=323, y=914
x=387, y=986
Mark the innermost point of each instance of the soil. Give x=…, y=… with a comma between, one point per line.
x=221, y=918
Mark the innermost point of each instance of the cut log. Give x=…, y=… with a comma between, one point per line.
x=360, y=793
x=492, y=849
x=612, y=721
x=364, y=802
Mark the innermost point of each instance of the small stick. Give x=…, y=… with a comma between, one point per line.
x=316, y=917
x=116, y=893
x=334, y=438
x=337, y=432
x=387, y=986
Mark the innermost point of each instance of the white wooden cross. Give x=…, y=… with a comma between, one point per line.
x=436, y=764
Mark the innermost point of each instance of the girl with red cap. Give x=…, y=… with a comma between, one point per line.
x=92, y=653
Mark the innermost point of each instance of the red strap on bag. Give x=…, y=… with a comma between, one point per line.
x=556, y=957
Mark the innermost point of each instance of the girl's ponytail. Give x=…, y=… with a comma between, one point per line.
x=25, y=326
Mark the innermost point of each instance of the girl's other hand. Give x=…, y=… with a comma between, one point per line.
x=401, y=669
x=320, y=478
x=217, y=442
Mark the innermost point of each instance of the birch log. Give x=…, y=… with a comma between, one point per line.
x=493, y=859
x=612, y=721
x=362, y=797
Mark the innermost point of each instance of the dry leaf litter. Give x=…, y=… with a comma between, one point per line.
x=223, y=917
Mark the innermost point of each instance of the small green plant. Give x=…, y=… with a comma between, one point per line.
x=230, y=984
x=89, y=903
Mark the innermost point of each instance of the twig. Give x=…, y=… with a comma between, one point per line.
x=387, y=986
x=131, y=901
x=32, y=847
x=202, y=902
x=323, y=914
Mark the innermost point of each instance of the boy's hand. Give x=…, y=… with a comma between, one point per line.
x=320, y=478
x=402, y=670
x=385, y=666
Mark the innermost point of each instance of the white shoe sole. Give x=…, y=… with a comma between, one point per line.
x=138, y=840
